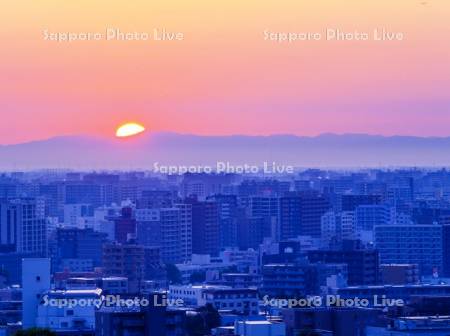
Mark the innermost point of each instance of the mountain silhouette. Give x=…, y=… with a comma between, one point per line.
x=142, y=151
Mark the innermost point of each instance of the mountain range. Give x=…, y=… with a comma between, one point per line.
x=142, y=151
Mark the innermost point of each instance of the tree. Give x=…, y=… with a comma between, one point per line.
x=173, y=274
x=198, y=277
x=35, y=332
x=201, y=323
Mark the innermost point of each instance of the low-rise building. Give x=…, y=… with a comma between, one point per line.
x=331, y=321
x=414, y=325
x=394, y=292
x=67, y=311
x=147, y=320
x=239, y=300
x=289, y=279
x=399, y=274
x=259, y=328
x=239, y=280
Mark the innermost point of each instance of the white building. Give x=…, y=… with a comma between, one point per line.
x=223, y=298
x=338, y=226
x=35, y=281
x=346, y=219
x=328, y=226
x=69, y=310
x=259, y=328
x=108, y=285
x=202, y=263
x=103, y=219
x=414, y=325
x=73, y=213
x=191, y=295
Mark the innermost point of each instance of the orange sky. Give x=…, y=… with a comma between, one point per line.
x=224, y=78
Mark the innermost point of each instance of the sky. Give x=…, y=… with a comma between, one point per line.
x=224, y=77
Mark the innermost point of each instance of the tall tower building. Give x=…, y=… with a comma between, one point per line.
x=124, y=225
x=301, y=213
x=35, y=281
x=205, y=227
x=228, y=219
x=23, y=225
x=263, y=210
x=185, y=230
x=161, y=228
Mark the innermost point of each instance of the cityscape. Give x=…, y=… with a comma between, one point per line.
x=311, y=252
x=225, y=168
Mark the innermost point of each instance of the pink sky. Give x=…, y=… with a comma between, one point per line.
x=224, y=78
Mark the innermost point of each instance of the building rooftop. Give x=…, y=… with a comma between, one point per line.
x=75, y=292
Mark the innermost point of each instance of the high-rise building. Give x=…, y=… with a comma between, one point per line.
x=135, y=262
x=251, y=230
x=349, y=202
x=346, y=222
x=228, y=219
x=95, y=189
x=205, y=227
x=367, y=216
x=73, y=243
x=362, y=264
x=301, y=213
x=73, y=212
x=290, y=213
x=87, y=193
x=329, y=228
x=202, y=185
x=413, y=244
x=162, y=228
x=54, y=195
x=150, y=199
x=294, y=279
x=336, y=227
x=124, y=225
x=23, y=226
x=262, y=210
x=185, y=230
x=125, y=260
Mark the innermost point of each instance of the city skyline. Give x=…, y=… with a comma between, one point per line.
x=225, y=168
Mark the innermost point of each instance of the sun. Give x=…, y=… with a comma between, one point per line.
x=129, y=129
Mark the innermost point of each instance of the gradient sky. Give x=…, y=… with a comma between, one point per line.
x=224, y=78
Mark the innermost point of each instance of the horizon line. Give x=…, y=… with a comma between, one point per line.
x=149, y=133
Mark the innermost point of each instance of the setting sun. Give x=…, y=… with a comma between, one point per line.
x=129, y=129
